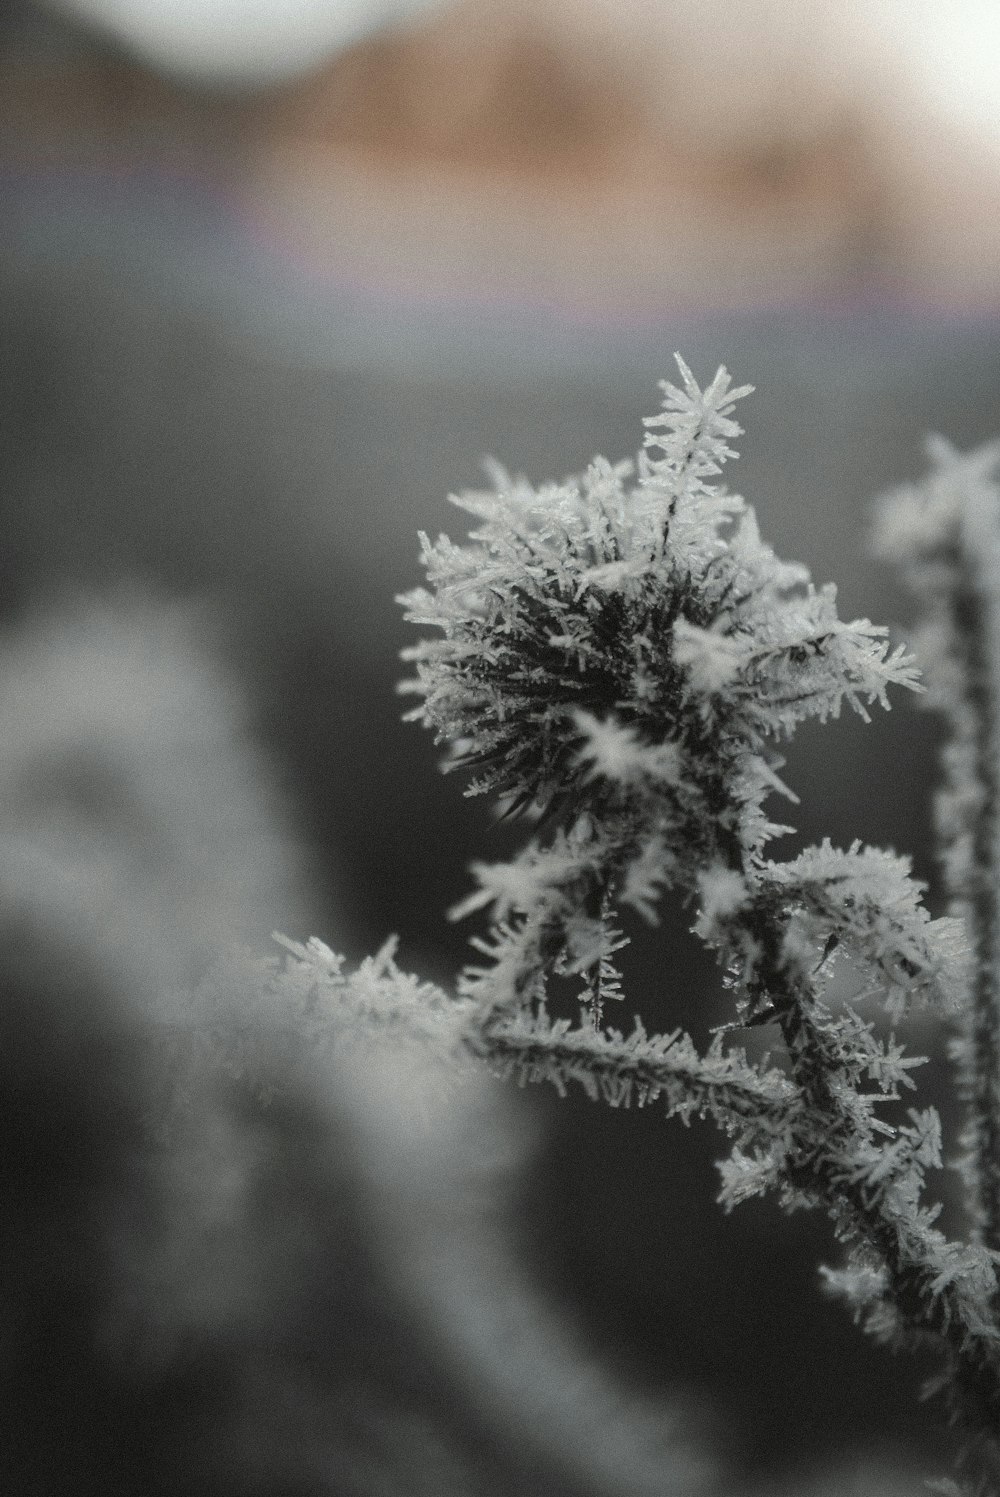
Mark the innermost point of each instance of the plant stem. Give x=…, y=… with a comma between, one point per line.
x=977, y=626
x=910, y=1250
x=609, y=1067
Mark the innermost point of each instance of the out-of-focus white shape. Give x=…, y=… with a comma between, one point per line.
x=239, y=41
x=945, y=51
x=948, y=51
x=139, y=825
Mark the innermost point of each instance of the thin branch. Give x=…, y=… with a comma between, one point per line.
x=976, y=626
x=641, y=1069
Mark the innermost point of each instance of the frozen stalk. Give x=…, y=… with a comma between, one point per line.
x=947, y=532
x=618, y=657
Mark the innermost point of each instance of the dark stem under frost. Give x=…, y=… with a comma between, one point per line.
x=927, y=1309
x=976, y=626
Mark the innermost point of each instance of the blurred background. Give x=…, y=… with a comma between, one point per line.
x=274, y=277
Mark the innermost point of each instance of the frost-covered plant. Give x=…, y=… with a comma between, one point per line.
x=618, y=658
x=945, y=532
x=259, y=1216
